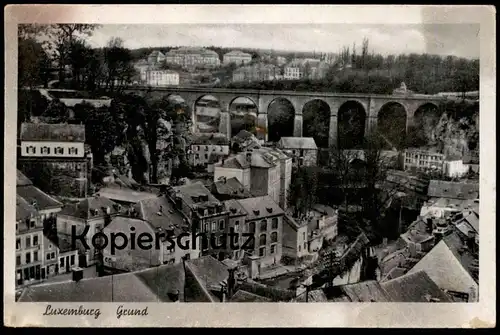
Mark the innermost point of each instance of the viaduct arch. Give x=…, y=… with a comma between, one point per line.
x=372, y=104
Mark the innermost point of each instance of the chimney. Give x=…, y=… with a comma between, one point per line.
x=231, y=282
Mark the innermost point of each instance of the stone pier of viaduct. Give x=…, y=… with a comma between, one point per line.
x=371, y=103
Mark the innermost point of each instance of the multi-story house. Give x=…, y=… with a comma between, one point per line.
x=257, y=72
x=263, y=171
x=423, y=160
x=60, y=147
x=93, y=213
x=159, y=78
x=205, y=214
x=156, y=57
x=280, y=60
x=295, y=238
x=58, y=257
x=191, y=58
x=29, y=243
x=305, y=68
x=244, y=140
x=237, y=57
x=204, y=145
x=237, y=215
x=264, y=219
x=303, y=150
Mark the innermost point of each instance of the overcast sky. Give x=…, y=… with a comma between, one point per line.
x=444, y=39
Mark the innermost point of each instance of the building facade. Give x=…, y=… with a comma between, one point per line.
x=156, y=57
x=295, y=238
x=257, y=72
x=423, y=160
x=205, y=145
x=191, y=58
x=237, y=57
x=159, y=78
x=303, y=150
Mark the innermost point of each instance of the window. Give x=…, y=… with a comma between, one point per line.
x=28, y=241
x=28, y=257
x=17, y=227
x=205, y=227
x=221, y=224
x=197, y=156
x=59, y=150
x=274, y=224
x=32, y=224
x=236, y=225
x=305, y=245
x=31, y=149
x=263, y=225
x=262, y=240
x=53, y=255
x=73, y=151
x=206, y=156
x=35, y=256
x=273, y=248
x=274, y=237
x=262, y=251
x=18, y=244
x=35, y=240
x=299, y=248
x=50, y=246
x=304, y=236
x=45, y=150
x=214, y=226
x=47, y=257
x=221, y=240
x=62, y=262
x=251, y=227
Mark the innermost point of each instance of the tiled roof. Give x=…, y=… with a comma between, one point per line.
x=272, y=293
x=36, y=197
x=260, y=207
x=22, y=180
x=414, y=287
x=313, y=296
x=124, y=195
x=366, y=291
x=83, y=209
x=298, y=143
x=456, y=190
x=151, y=285
x=209, y=139
x=232, y=187
x=237, y=53
x=52, y=132
x=208, y=272
x=243, y=135
x=169, y=219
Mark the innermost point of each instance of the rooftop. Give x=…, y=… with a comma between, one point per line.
x=22, y=180
x=124, y=195
x=195, y=193
x=231, y=187
x=37, y=198
x=90, y=207
x=260, y=207
x=209, y=139
x=160, y=213
x=237, y=53
x=455, y=190
x=366, y=291
x=298, y=143
x=52, y=132
x=234, y=208
x=24, y=210
x=414, y=287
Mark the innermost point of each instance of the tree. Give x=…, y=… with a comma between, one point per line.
x=118, y=61
x=303, y=191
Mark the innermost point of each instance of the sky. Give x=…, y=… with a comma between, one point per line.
x=460, y=40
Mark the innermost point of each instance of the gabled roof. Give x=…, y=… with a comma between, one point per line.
x=298, y=143
x=455, y=190
x=231, y=187
x=260, y=207
x=124, y=195
x=234, y=208
x=413, y=287
x=205, y=273
x=37, y=198
x=52, y=132
x=366, y=291
x=189, y=192
x=83, y=209
x=24, y=210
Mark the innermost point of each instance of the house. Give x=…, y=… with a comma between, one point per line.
x=237, y=215
x=323, y=219
x=454, y=167
x=160, y=213
x=226, y=189
x=414, y=287
x=419, y=236
x=365, y=291
x=90, y=215
x=244, y=140
x=46, y=206
x=205, y=214
x=192, y=57
x=59, y=257
x=467, y=224
x=264, y=219
x=203, y=145
x=58, y=147
x=295, y=238
x=29, y=243
x=161, y=78
x=123, y=196
x=453, y=190
x=257, y=72
x=423, y=160
x=237, y=57
x=303, y=150
x=264, y=171
x=453, y=265
x=156, y=57
x=444, y=207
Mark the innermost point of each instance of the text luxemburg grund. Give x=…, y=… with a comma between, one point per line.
x=145, y=241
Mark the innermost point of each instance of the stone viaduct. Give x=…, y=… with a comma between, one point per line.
x=371, y=103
